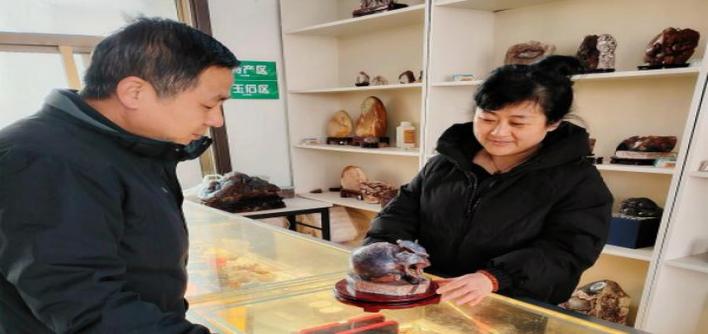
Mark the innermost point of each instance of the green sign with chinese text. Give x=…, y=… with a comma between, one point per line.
x=255, y=80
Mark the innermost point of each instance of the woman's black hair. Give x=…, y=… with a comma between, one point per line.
x=546, y=82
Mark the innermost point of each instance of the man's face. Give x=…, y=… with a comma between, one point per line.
x=187, y=115
x=511, y=130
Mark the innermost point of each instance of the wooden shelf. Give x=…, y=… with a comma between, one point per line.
x=354, y=149
x=490, y=5
x=334, y=198
x=696, y=263
x=621, y=75
x=643, y=254
x=357, y=89
x=635, y=169
x=699, y=174
x=359, y=25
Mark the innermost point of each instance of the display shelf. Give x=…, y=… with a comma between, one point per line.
x=643, y=254
x=360, y=25
x=621, y=75
x=635, y=169
x=354, y=149
x=334, y=198
x=357, y=89
x=644, y=74
x=490, y=5
x=699, y=174
x=695, y=263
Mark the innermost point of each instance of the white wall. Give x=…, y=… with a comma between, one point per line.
x=257, y=129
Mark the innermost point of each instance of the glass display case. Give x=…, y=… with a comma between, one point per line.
x=318, y=312
x=249, y=277
x=233, y=257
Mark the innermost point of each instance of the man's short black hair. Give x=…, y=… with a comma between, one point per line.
x=167, y=54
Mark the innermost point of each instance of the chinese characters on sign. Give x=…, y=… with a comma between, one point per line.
x=255, y=80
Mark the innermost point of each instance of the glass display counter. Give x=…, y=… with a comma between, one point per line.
x=236, y=257
x=318, y=312
x=249, y=277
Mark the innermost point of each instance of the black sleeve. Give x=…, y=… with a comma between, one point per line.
x=60, y=229
x=400, y=219
x=574, y=234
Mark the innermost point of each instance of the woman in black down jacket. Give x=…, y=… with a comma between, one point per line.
x=509, y=205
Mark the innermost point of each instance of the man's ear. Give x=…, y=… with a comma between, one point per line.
x=552, y=126
x=130, y=90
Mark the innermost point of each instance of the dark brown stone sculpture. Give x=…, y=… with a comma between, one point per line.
x=406, y=77
x=527, y=53
x=648, y=144
x=602, y=299
x=368, y=7
x=388, y=269
x=588, y=53
x=362, y=79
x=640, y=207
x=671, y=48
x=374, y=191
x=238, y=192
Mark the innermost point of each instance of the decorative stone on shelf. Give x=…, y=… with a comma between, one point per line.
x=640, y=207
x=362, y=80
x=671, y=48
x=340, y=125
x=644, y=150
x=406, y=77
x=379, y=81
x=597, y=53
x=374, y=192
x=603, y=299
x=527, y=53
x=703, y=167
x=372, y=122
x=350, y=180
x=368, y=7
x=387, y=269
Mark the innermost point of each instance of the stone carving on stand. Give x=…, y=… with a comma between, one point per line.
x=527, y=53
x=670, y=48
x=368, y=7
x=362, y=79
x=601, y=299
x=406, y=77
x=379, y=81
x=374, y=192
x=350, y=180
x=607, y=45
x=340, y=125
x=372, y=122
x=597, y=53
x=388, y=269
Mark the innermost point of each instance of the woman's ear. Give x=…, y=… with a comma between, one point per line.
x=553, y=126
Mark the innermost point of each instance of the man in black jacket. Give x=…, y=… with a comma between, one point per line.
x=92, y=235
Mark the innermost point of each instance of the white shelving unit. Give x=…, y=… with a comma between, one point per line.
x=354, y=149
x=643, y=254
x=699, y=174
x=334, y=198
x=325, y=48
x=635, y=169
x=697, y=263
x=357, y=89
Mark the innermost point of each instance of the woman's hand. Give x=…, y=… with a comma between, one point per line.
x=468, y=289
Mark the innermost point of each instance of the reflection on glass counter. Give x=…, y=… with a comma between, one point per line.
x=237, y=255
x=318, y=313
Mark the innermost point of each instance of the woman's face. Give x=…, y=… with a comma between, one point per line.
x=513, y=129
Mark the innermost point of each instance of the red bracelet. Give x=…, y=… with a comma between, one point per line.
x=495, y=282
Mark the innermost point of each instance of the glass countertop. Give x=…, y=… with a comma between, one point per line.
x=236, y=256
